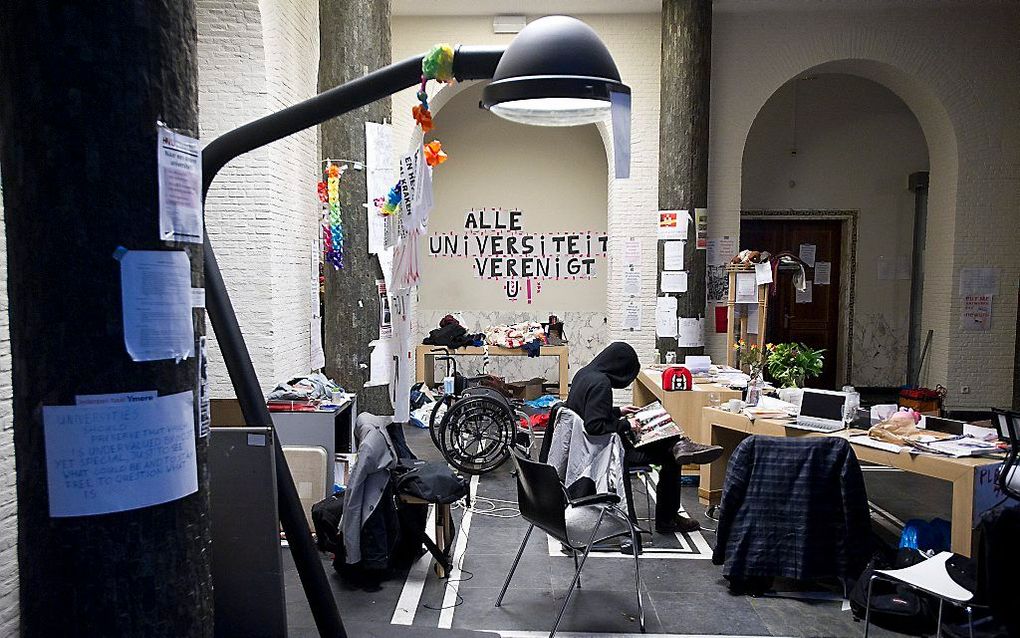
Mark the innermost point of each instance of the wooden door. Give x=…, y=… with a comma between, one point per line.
x=814, y=323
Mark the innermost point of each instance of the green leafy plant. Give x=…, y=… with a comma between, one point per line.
x=791, y=363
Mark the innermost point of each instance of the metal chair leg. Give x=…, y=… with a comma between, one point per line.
x=970, y=621
x=867, y=607
x=576, y=568
x=577, y=575
x=635, y=538
x=938, y=628
x=520, y=553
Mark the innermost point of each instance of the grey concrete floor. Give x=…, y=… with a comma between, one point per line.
x=683, y=596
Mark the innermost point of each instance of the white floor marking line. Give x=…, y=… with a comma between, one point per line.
x=453, y=584
x=574, y=634
x=414, y=584
x=704, y=551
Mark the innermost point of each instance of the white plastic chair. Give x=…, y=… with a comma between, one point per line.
x=931, y=577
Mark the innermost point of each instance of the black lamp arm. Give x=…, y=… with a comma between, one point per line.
x=470, y=63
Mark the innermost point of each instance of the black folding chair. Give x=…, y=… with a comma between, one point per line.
x=578, y=523
x=1007, y=423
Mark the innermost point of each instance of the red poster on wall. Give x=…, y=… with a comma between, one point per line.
x=720, y=319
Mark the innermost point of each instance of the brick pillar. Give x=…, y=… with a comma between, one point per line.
x=683, y=140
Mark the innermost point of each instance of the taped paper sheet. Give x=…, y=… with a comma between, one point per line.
x=673, y=224
x=752, y=319
x=720, y=250
x=673, y=281
x=805, y=295
x=380, y=364
x=156, y=298
x=823, y=271
x=632, y=252
x=316, y=356
x=119, y=456
x=747, y=288
x=380, y=175
x=807, y=254
x=632, y=283
x=673, y=255
x=632, y=316
x=690, y=332
x=179, y=162
x=665, y=317
x=204, y=410
x=762, y=274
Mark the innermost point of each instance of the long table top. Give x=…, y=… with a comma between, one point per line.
x=938, y=466
x=546, y=351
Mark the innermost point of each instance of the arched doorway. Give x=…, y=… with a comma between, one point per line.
x=825, y=170
x=543, y=253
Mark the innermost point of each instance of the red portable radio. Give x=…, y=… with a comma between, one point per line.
x=677, y=378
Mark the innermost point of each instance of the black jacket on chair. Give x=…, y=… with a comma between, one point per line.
x=795, y=508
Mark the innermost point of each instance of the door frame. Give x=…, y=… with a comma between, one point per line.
x=848, y=265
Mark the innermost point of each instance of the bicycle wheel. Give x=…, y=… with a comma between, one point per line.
x=476, y=433
x=436, y=418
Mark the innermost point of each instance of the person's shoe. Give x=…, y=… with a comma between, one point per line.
x=687, y=452
x=682, y=524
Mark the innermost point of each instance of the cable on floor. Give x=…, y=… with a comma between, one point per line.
x=490, y=507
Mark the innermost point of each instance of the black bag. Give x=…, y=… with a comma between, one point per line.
x=326, y=515
x=431, y=481
x=894, y=607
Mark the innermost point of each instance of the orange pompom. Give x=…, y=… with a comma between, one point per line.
x=333, y=170
x=423, y=117
x=434, y=153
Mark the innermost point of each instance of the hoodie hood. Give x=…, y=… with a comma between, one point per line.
x=618, y=362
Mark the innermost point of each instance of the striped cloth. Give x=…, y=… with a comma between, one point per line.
x=793, y=507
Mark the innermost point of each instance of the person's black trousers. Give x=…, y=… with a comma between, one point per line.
x=667, y=491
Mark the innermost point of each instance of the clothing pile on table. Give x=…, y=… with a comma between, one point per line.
x=527, y=335
x=451, y=334
x=315, y=386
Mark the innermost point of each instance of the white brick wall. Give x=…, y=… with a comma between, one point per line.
x=261, y=213
x=8, y=494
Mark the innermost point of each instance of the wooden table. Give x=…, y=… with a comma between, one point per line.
x=684, y=406
x=973, y=479
x=425, y=369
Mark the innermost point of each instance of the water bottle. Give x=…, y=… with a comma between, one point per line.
x=853, y=401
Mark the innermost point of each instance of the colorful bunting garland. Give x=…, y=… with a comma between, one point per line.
x=332, y=225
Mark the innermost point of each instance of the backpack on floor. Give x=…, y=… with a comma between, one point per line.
x=894, y=607
x=326, y=515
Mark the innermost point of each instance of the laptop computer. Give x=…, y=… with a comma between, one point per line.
x=821, y=411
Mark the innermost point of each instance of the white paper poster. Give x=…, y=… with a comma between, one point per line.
x=701, y=222
x=198, y=297
x=823, y=270
x=976, y=315
x=632, y=283
x=673, y=255
x=316, y=356
x=807, y=254
x=632, y=316
x=117, y=457
x=204, y=409
x=665, y=317
x=690, y=332
x=747, y=288
x=720, y=250
x=752, y=319
x=380, y=364
x=762, y=274
x=179, y=163
x=673, y=224
x=673, y=281
x=805, y=295
x=156, y=298
x=380, y=176
x=979, y=281
x=632, y=252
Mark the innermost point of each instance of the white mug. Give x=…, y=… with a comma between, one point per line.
x=735, y=405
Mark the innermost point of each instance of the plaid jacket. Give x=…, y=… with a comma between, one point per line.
x=795, y=508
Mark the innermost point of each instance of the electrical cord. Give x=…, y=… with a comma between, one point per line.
x=493, y=510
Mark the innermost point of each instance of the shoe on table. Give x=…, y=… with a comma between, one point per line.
x=680, y=523
x=687, y=452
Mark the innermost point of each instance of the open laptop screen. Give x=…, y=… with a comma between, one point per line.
x=823, y=405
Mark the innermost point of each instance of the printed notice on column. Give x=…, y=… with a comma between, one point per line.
x=156, y=297
x=113, y=457
x=179, y=162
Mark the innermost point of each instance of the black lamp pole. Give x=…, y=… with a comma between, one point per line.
x=469, y=63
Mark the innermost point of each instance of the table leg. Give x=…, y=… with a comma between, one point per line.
x=963, y=514
x=713, y=475
x=442, y=539
x=419, y=365
x=564, y=378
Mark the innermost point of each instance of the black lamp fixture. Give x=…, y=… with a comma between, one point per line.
x=556, y=72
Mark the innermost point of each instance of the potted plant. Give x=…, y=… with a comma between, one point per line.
x=790, y=364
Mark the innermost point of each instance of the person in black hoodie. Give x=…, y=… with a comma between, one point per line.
x=591, y=397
